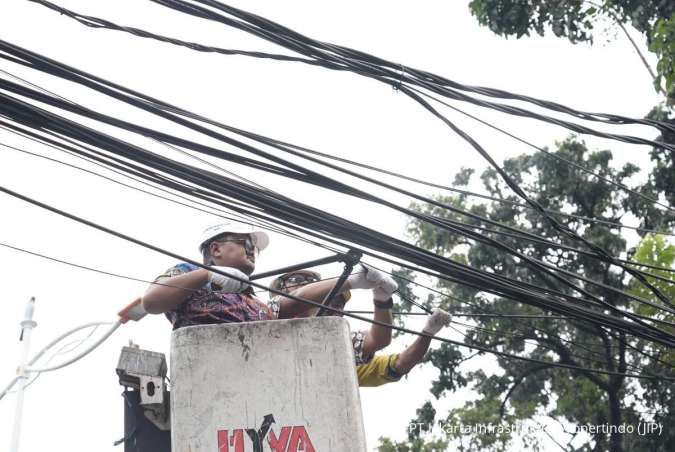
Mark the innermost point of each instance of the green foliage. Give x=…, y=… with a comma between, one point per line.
x=464, y=175
x=520, y=392
x=416, y=441
x=426, y=415
x=446, y=358
x=570, y=19
x=662, y=177
x=577, y=20
x=482, y=412
x=418, y=445
x=655, y=250
x=663, y=45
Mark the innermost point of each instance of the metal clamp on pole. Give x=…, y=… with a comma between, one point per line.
x=350, y=259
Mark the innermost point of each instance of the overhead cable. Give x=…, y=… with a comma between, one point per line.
x=12, y=106
x=201, y=148
x=653, y=334
x=328, y=308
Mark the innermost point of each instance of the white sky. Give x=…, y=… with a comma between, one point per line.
x=79, y=407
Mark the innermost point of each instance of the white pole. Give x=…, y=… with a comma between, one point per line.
x=27, y=325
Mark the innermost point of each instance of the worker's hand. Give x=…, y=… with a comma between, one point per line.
x=436, y=321
x=366, y=278
x=228, y=284
x=385, y=289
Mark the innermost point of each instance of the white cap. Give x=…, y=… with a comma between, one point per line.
x=259, y=237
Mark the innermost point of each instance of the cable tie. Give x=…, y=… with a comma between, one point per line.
x=400, y=80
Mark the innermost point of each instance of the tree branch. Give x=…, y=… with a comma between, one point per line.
x=543, y=427
x=518, y=381
x=642, y=57
x=632, y=41
x=566, y=358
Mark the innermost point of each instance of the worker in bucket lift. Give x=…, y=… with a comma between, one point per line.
x=191, y=295
x=371, y=369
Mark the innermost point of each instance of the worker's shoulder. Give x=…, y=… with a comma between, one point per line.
x=186, y=267
x=179, y=269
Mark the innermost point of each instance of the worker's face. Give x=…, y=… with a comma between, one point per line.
x=295, y=281
x=234, y=250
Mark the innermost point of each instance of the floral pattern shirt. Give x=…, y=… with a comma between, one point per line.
x=209, y=304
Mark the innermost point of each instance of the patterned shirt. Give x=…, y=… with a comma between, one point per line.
x=210, y=305
x=358, y=337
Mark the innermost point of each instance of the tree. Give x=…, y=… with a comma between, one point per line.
x=521, y=393
x=577, y=20
x=655, y=250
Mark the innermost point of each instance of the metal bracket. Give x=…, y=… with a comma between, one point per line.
x=303, y=265
x=350, y=259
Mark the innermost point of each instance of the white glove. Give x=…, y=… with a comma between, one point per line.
x=228, y=284
x=385, y=289
x=436, y=321
x=366, y=278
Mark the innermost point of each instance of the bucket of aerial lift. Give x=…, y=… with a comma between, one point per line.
x=281, y=386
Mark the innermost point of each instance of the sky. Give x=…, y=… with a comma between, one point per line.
x=79, y=407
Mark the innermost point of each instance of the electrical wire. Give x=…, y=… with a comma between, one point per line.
x=638, y=278
x=302, y=44
x=314, y=304
x=538, y=343
x=560, y=159
x=294, y=41
x=493, y=198
x=341, y=58
x=232, y=216
x=94, y=22
x=426, y=218
x=633, y=272
x=84, y=267
x=168, y=199
x=403, y=313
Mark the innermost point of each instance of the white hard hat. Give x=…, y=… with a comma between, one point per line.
x=260, y=237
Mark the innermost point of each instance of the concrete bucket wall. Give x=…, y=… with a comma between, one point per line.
x=281, y=386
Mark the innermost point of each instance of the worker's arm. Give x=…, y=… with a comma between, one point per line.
x=414, y=354
x=364, y=278
x=174, y=290
x=378, y=336
x=316, y=291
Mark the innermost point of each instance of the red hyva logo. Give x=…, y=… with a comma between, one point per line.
x=290, y=439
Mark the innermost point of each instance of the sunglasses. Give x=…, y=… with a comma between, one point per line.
x=247, y=243
x=297, y=279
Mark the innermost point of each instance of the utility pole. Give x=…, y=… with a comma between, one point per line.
x=27, y=325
